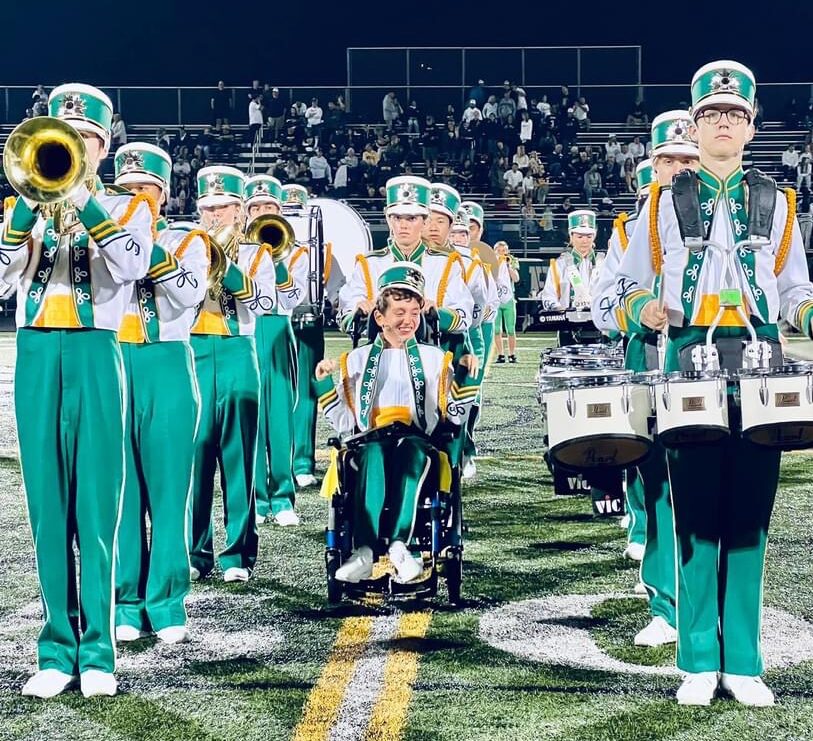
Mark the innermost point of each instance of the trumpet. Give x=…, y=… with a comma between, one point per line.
x=276, y=232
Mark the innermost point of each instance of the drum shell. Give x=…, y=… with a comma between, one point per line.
x=691, y=412
x=777, y=410
x=596, y=429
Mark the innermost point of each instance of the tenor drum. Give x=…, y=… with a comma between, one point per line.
x=691, y=407
x=345, y=230
x=777, y=406
x=596, y=417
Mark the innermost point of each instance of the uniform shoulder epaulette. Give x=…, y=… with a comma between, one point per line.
x=381, y=252
x=111, y=189
x=442, y=253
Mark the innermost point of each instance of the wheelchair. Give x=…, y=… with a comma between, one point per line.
x=437, y=533
x=364, y=327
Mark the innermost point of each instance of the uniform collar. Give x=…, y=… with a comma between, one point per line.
x=577, y=258
x=416, y=255
x=712, y=181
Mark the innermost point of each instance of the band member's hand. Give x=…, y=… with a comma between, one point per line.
x=365, y=307
x=325, y=367
x=654, y=317
x=470, y=363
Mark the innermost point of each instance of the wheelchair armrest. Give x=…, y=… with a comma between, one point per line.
x=444, y=433
x=334, y=442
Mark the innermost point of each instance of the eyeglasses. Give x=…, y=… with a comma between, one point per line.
x=734, y=116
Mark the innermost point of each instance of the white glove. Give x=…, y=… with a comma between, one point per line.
x=79, y=196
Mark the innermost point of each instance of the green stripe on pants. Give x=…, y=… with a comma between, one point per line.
x=152, y=575
x=310, y=349
x=273, y=470
x=634, y=500
x=229, y=384
x=68, y=387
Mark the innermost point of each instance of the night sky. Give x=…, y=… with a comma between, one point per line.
x=304, y=42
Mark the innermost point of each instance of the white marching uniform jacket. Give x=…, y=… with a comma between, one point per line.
x=445, y=285
x=293, y=288
x=249, y=291
x=164, y=305
x=606, y=314
x=474, y=272
x=394, y=399
x=505, y=286
x=82, y=278
x=571, y=280
x=774, y=280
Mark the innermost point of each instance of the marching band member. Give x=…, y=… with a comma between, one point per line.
x=506, y=321
x=228, y=378
x=722, y=493
x=407, y=382
x=276, y=353
x=74, y=267
x=477, y=281
x=152, y=575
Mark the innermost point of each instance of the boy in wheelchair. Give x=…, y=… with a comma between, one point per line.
x=393, y=379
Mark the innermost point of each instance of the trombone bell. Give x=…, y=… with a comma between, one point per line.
x=45, y=159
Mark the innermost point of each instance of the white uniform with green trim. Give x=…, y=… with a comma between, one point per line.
x=570, y=280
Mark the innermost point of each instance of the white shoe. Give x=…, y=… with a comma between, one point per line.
x=406, y=566
x=125, y=633
x=624, y=522
x=639, y=588
x=697, y=689
x=657, y=633
x=259, y=519
x=235, y=573
x=304, y=480
x=748, y=690
x=359, y=566
x=469, y=470
x=286, y=518
x=48, y=683
x=174, y=634
x=194, y=574
x=634, y=552
x=96, y=683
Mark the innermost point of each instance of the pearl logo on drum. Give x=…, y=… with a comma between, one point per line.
x=787, y=399
x=694, y=404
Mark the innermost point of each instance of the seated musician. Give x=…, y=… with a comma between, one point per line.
x=392, y=379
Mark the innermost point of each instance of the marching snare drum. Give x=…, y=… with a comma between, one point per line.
x=596, y=418
x=691, y=407
x=777, y=406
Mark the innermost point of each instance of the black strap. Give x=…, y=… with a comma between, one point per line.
x=761, y=203
x=686, y=198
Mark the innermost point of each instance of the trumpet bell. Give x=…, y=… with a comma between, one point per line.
x=45, y=159
x=222, y=246
x=274, y=231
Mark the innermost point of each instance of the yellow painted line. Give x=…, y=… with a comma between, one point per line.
x=322, y=707
x=389, y=714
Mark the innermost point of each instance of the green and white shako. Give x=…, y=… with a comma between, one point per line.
x=670, y=135
x=644, y=176
x=220, y=185
x=444, y=199
x=140, y=162
x=723, y=82
x=408, y=195
x=581, y=221
x=294, y=196
x=262, y=189
x=404, y=275
x=84, y=107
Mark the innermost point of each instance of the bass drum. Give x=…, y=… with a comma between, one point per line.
x=345, y=230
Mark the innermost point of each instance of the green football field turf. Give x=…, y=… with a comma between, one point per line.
x=542, y=648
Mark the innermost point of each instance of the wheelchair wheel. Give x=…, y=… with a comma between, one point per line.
x=335, y=591
x=453, y=572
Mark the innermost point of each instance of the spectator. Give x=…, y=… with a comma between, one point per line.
x=526, y=128
x=181, y=168
x=759, y=114
x=623, y=155
x=450, y=114
x=492, y=131
x=448, y=176
x=528, y=226
x=636, y=150
x=803, y=169
x=612, y=147
x=478, y=94
x=450, y=142
x=118, y=132
x=255, y=90
x=569, y=129
x=520, y=97
x=490, y=108
x=184, y=139
x=430, y=143
x=471, y=112
x=298, y=110
x=593, y=186
x=413, y=117
x=391, y=109
x=341, y=180
x=581, y=112
x=38, y=94
x=792, y=114
x=468, y=134
x=565, y=207
x=528, y=187
x=274, y=108
x=629, y=174
x=507, y=107
x=790, y=161
x=612, y=175
x=255, y=117
x=163, y=140
x=535, y=165
x=227, y=144
x=509, y=134
x=546, y=222
x=513, y=181
x=221, y=105
x=521, y=159
x=542, y=184
x=465, y=176
x=543, y=107
x=40, y=106
x=638, y=114
x=556, y=162
x=313, y=118
x=564, y=98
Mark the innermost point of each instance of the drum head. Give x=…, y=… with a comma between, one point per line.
x=685, y=437
x=601, y=451
x=344, y=228
x=785, y=436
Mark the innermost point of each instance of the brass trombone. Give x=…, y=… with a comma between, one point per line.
x=223, y=243
x=276, y=232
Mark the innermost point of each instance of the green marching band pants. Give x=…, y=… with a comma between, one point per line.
x=723, y=495
x=470, y=447
x=649, y=505
x=398, y=486
x=229, y=384
x=273, y=470
x=507, y=318
x=152, y=574
x=69, y=398
x=310, y=349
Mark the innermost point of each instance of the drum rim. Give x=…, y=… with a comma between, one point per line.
x=696, y=375
x=717, y=428
x=748, y=433
x=647, y=441
x=779, y=371
x=618, y=378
